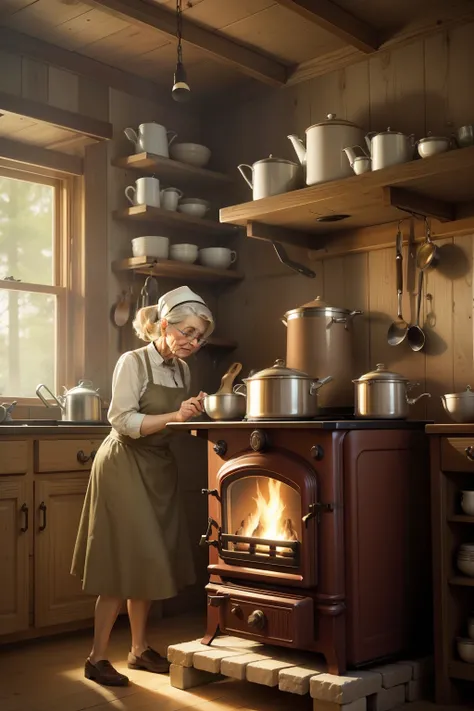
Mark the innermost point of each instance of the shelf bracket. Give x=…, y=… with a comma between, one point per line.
x=295, y=266
x=417, y=204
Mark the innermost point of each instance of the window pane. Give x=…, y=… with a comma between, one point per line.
x=27, y=342
x=26, y=230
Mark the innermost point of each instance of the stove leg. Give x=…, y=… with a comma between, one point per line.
x=212, y=628
x=209, y=638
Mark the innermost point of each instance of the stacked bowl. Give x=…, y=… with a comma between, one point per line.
x=465, y=559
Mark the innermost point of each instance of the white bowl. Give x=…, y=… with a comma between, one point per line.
x=467, y=502
x=151, y=246
x=465, y=647
x=184, y=252
x=432, y=145
x=466, y=566
x=194, y=209
x=190, y=153
x=217, y=257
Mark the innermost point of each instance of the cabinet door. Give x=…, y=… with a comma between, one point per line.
x=58, y=594
x=14, y=549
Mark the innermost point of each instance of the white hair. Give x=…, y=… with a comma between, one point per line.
x=147, y=320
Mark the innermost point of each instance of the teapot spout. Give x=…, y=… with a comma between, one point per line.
x=131, y=135
x=298, y=145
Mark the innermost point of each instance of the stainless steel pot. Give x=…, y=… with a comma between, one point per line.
x=225, y=406
x=383, y=395
x=79, y=404
x=271, y=176
x=280, y=392
x=319, y=340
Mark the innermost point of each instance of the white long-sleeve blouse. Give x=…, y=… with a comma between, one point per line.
x=129, y=383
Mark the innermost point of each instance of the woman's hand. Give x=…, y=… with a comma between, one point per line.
x=190, y=408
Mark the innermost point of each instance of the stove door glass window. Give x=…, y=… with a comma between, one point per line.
x=261, y=512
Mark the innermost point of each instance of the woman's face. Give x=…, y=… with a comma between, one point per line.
x=184, y=338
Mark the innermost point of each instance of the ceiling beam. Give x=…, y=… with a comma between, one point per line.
x=40, y=157
x=338, y=22
x=210, y=42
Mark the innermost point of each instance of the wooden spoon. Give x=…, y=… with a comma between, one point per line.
x=228, y=379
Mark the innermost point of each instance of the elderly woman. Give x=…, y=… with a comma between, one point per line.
x=130, y=544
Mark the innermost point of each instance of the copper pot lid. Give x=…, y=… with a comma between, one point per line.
x=317, y=307
x=278, y=370
x=382, y=375
x=332, y=120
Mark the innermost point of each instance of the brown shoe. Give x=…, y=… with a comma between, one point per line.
x=104, y=673
x=149, y=661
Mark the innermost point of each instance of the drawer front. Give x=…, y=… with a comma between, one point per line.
x=284, y=620
x=65, y=455
x=453, y=454
x=13, y=458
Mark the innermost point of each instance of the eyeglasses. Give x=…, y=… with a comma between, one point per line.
x=193, y=336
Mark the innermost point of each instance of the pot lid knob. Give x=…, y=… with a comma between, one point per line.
x=279, y=363
x=331, y=117
x=380, y=366
x=468, y=389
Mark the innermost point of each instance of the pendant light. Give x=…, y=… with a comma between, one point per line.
x=181, y=91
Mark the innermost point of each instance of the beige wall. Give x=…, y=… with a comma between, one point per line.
x=424, y=86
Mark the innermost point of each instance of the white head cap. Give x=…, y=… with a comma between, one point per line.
x=176, y=297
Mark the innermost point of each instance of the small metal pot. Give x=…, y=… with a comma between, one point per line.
x=383, y=395
x=79, y=404
x=460, y=406
x=225, y=406
x=279, y=392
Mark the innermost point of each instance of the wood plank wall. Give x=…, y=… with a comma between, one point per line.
x=424, y=86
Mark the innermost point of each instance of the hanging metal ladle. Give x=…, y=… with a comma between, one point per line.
x=427, y=256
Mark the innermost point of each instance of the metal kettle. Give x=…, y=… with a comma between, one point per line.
x=79, y=404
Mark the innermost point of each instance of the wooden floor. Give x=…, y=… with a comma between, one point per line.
x=48, y=676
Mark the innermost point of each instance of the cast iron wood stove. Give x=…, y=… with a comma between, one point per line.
x=319, y=537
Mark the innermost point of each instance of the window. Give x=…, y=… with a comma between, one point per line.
x=34, y=282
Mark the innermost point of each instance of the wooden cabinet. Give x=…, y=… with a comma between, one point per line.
x=58, y=594
x=15, y=531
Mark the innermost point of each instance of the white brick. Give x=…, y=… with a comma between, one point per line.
x=394, y=674
x=266, y=672
x=210, y=660
x=421, y=668
x=345, y=689
x=296, y=680
x=386, y=699
x=235, y=667
x=359, y=705
x=187, y=677
x=235, y=643
x=182, y=654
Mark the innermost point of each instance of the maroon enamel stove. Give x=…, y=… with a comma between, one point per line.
x=319, y=537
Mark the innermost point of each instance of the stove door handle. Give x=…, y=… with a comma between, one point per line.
x=205, y=538
x=315, y=511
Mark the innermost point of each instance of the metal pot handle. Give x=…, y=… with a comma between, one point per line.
x=347, y=319
x=237, y=389
x=413, y=400
x=43, y=399
x=317, y=384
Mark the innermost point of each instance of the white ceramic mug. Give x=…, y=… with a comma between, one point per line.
x=169, y=198
x=217, y=257
x=151, y=138
x=146, y=191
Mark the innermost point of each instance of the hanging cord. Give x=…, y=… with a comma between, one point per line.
x=179, y=29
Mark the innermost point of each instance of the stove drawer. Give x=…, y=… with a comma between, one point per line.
x=286, y=620
x=454, y=456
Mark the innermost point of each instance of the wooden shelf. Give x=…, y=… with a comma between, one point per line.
x=224, y=343
x=169, y=269
x=439, y=187
x=461, y=670
x=167, y=219
x=461, y=519
x=462, y=580
x=171, y=171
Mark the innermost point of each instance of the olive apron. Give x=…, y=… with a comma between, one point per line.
x=132, y=541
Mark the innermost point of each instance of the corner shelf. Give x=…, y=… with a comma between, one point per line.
x=461, y=580
x=175, y=220
x=169, y=170
x=170, y=269
x=440, y=187
x=461, y=518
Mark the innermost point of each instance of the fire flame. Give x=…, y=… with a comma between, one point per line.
x=267, y=521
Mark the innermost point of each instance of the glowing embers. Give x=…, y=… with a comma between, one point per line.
x=263, y=512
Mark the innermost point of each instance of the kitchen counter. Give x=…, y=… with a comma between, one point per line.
x=451, y=429
x=42, y=430
x=349, y=424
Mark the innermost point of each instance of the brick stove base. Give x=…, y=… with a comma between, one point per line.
x=380, y=688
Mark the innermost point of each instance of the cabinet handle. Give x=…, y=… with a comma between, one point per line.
x=42, y=508
x=470, y=453
x=82, y=457
x=24, y=510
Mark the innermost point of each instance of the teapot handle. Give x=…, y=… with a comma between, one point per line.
x=43, y=399
x=248, y=180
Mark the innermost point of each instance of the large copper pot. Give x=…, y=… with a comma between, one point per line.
x=319, y=340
